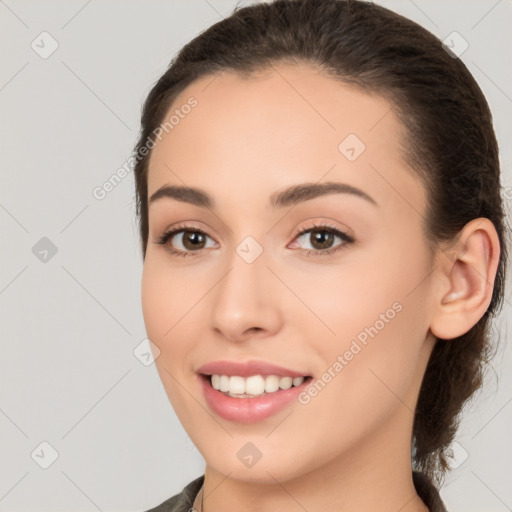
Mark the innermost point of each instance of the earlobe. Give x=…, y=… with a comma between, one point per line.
x=467, y=280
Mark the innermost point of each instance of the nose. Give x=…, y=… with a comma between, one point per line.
x=245, y=302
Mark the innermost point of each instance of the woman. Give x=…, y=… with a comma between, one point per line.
x=318, y=187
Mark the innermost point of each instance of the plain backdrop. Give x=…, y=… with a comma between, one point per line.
x=85, y=424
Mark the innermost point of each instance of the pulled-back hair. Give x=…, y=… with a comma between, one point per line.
x=451, y=146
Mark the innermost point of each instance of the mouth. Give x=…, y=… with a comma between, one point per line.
x=253, y=386
x=253, y=398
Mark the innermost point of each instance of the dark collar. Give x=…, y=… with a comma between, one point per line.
x=184, y=501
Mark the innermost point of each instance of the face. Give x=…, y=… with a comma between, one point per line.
x=345, y=303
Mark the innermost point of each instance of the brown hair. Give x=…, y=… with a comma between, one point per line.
x=451, y=146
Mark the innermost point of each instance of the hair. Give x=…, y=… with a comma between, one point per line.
x=450, y=145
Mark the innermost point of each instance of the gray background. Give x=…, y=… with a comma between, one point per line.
x=70, y=323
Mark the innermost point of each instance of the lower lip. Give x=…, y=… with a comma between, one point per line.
x=249, y=410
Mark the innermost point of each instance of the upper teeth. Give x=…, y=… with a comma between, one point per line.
x=255, y=385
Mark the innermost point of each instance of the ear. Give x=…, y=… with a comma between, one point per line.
x=466, y=275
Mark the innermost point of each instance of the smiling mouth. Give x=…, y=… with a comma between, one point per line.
x=253, y=386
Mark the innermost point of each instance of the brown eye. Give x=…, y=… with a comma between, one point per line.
x=184, y=241
x=322, y=239
x=193, y=240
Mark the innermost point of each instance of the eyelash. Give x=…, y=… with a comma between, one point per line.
x=347, y=239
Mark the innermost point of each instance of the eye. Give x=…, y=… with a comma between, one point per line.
x=190, y=239
x=322, y=237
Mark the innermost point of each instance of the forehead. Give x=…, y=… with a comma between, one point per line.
x=288, y=123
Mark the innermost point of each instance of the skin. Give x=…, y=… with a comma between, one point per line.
x=349, y=448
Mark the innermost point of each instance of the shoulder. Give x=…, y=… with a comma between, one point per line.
x=428, y=492
x=182, y=501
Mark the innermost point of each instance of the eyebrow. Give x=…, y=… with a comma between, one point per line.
x=288, y=197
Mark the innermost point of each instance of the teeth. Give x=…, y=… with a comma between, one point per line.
x=236, y=385
x=297, y=381
x=224, y=383
x=287, y=382
x=255, y=385
x=271, y=383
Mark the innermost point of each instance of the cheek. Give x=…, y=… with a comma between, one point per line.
x=164, y=306
x=154, y=300
x=343, y=302
x=165, y=296
x=371, y=312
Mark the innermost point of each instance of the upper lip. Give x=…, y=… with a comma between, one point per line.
x=248, y=368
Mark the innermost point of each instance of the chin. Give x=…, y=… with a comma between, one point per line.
x=271, y=465
x=257, y=474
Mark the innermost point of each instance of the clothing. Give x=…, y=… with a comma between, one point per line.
x=184, y=501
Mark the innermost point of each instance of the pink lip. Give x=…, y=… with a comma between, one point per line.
x=248, y=410
x=248, y=368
